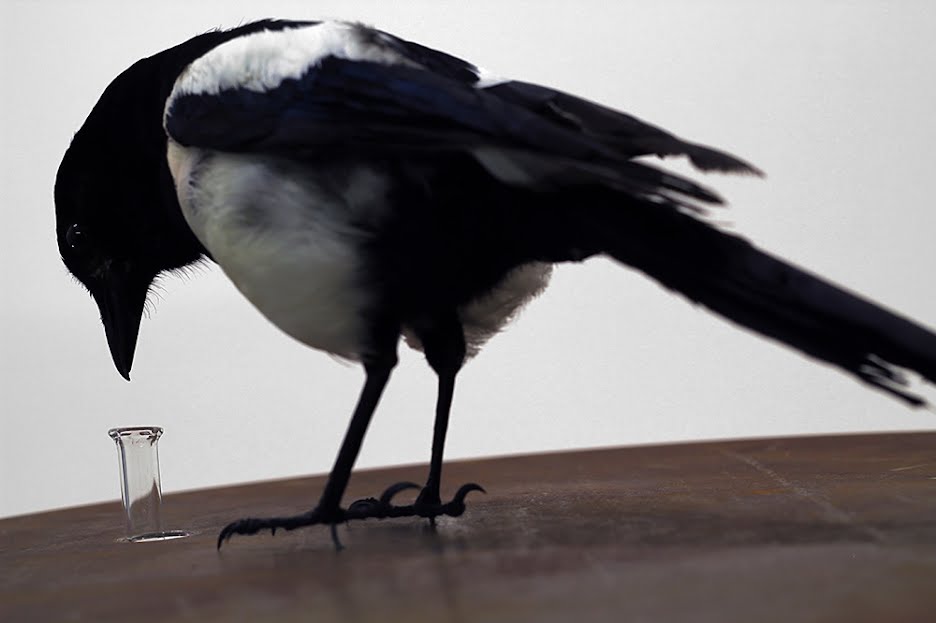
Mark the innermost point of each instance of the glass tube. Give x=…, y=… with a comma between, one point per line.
x=140, y=489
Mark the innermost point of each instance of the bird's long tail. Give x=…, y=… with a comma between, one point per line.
x=733, y=278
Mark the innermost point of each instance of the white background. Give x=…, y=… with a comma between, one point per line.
x=835, y=100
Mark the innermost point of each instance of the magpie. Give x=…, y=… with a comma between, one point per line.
x=360, y=189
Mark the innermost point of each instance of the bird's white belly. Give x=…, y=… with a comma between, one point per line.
x=308, y=290
x=289, y=247
x=293, y=248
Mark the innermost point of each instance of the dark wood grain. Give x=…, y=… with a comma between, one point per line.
x=803, y=529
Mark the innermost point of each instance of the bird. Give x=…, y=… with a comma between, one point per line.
x=362, y=191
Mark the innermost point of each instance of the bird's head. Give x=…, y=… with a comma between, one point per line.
x=118, y=223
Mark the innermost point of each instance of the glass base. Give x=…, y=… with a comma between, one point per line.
x=148, y=537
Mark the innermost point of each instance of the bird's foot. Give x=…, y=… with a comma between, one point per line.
x=253, y=525
x=427, y=504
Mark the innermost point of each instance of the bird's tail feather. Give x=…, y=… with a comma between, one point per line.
x=750, y=287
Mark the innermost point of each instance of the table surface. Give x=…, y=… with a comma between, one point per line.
x=801, y=529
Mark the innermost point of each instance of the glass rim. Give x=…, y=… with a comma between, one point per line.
x=131, y=431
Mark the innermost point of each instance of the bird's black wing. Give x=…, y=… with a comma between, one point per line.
x=625, y=134
x=431, y=102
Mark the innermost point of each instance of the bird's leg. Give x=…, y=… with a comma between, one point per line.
x=443, y=341
x=429, y=502
x=430, y=493
x=328, y=510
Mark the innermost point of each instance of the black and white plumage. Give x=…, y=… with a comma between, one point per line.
x=357, y=188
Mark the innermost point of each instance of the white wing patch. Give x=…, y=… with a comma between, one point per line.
x=261, y=61
x=487, y=80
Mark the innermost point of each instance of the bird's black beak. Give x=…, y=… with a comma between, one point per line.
x=120, y=295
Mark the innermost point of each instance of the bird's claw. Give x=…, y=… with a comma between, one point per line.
x=253, y=525
x=392, y=490
x=426, y=505
x=376, y=508
x=457, y=505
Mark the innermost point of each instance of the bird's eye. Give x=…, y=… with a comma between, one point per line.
x=75, y=237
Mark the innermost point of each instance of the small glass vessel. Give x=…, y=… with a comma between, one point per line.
x=140, y=489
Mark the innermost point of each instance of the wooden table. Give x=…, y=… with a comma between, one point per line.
x=804, y=529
